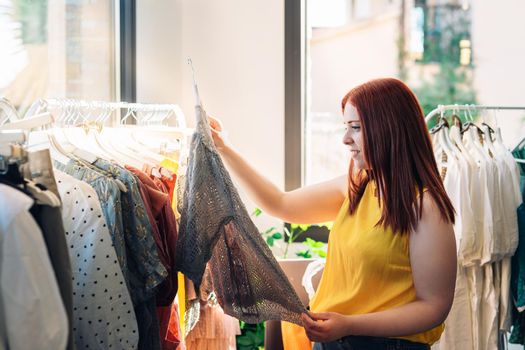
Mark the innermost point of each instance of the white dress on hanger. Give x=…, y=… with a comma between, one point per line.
x=32, y=314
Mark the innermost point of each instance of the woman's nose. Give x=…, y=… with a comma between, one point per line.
x=347, y=140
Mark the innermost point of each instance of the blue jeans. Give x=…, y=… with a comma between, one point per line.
x=370, y=343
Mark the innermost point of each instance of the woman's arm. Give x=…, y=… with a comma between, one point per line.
x=433, y=262
x=310, y=204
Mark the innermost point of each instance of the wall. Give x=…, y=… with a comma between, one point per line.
x=345, y=58
x=237, y=48
x=498, y=47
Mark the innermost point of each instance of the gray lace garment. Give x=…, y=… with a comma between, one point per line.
x=215, y=227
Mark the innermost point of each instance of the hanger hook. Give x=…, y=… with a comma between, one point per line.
x=195, y=88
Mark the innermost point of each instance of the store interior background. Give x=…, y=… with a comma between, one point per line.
x=66, y=49
x=60, y=48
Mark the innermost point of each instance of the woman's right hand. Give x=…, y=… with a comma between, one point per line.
x=216, y=133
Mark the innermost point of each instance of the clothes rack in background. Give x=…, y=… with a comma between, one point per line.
x=482, y=178
x=114, y=113
x=471, y=107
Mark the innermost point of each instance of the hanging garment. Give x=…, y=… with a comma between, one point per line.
x=49, y=220
x=108, y=194
x=163, y=218
x=459, y=325
x=32, y=314
x=147, y=272
x=214, y=331
x=39, y=169
x=518, y=265
x=171, y=322
x=172, y=182
x=215, y=225
x=103, y=309
x=164, y=229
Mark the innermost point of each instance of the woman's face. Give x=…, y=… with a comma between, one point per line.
x=353, y=137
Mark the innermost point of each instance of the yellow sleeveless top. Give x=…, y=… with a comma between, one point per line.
x=367, y=267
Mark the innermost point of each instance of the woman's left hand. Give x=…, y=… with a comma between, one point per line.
x=325, y=326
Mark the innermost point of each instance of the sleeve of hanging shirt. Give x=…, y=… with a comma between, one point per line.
x=33, y=312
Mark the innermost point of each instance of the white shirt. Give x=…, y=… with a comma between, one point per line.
x=103, y=315
x=32, y=310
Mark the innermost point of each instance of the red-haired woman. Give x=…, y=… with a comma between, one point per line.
x=390, y=270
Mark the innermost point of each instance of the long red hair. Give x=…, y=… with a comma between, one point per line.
x=398, y=153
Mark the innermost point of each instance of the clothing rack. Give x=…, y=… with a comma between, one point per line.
x=471, y=107
x=468, y=107
x=117, y=113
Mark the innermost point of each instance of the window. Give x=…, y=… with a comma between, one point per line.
x=441, y=30
x=56, y=49
x=327, y=14
x=338, y=58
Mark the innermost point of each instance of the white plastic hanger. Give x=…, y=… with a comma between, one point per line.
x=30, y=123
x=471, y=138
x=441, y=137
x=42, y=196
x=455, y=136
x=498, y=140
x=10, y=113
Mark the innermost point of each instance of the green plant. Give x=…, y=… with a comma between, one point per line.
x=315, y=247
x=271, y=234
x=292, y=233
x=295, y=231
x=251, y=337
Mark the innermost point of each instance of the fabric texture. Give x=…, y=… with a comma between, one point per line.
x=103, y=310
x=147, y=272
x=518, y=265
x=294, y=337
x=365, y=260
x=108, y=194
x=214, y=331
x=49, y=220
x=32, y=314
x=215, y=225
x=161, y=215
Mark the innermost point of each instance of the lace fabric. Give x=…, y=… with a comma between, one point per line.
x=215, y=226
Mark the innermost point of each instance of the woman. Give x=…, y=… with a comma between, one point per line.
x=390, y=270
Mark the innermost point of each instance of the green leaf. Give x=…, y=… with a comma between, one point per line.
x=304, y=227
x=269, y=230
x=257, y=212
x=321, y=253
x=277, y=235
x=294, y=226
x=269, y=241
x=259, y=338
x=317, y=244
x=309, y=242
x=252, y=336
x=244, y=341
x=305, y=254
